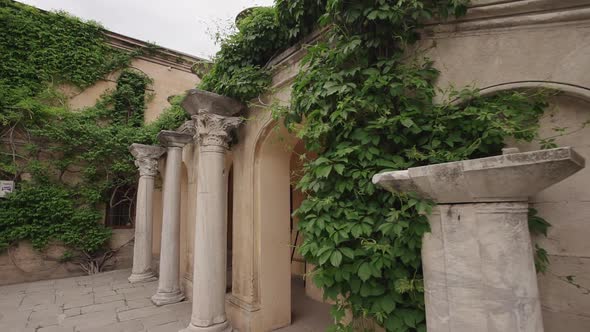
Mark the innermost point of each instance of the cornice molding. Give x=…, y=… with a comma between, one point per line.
x=482, y=15
x=160, y=55
x=490, y=14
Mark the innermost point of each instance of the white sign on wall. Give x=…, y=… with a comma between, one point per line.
x=6, y=187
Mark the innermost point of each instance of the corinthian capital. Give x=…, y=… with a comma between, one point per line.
x=213, y=129
x=146, y=158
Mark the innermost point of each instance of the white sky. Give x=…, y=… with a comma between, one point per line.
x=182, y=25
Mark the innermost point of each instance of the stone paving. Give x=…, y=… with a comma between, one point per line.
x=104, y=302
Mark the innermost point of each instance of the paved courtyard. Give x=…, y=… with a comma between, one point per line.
x=108, y=302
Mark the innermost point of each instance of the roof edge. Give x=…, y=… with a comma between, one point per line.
x=155, y=53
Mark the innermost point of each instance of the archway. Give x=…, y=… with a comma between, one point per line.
x=276, y=159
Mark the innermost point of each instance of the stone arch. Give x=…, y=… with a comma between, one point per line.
x=569, y=89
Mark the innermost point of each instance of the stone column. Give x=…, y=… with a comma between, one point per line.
x=479, y=271
x=146, y=160
x=168, y=286
x=210, y=260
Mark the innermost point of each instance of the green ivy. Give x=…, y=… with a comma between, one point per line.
x=78, y=159
x=66, y=162
x=299, y=17
x=365, y=103
x=539, y=227
x=238, y=71
x=369, y=109
x=49, y=212
x=38, y=48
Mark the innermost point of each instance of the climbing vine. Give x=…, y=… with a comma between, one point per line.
x=375, y=116
x=239, y=71
x=365, y=103
x=67, y=163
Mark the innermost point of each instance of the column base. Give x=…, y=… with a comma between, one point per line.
x=223, y=327
x=142, y=277
x=161, y=298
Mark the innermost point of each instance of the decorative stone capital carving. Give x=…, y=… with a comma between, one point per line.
x=214, y=130
x=146, y=158
x=188, y=128
x=176, y=139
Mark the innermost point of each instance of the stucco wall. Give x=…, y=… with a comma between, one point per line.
x=167, y=81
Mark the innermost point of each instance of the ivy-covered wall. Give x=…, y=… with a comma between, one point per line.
x=367, y=100
x=70, y=105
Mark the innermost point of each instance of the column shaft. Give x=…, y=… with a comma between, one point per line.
x=142, y=250
x=210, y=247
x=210, y=261
x=479, y=270
x=146, y=160
x=168, y=287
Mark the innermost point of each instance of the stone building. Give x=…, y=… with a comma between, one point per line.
x=242, y=195
x=172, y=74
x=220, y=224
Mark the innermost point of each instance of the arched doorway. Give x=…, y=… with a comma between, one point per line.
x=281, y=270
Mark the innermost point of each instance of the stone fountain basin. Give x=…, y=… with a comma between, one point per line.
x=505, y=178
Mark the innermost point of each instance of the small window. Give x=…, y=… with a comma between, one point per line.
x=120, y=210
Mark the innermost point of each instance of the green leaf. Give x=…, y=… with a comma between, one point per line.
x=407, y=122
x=336, y=258
x=387, y=304
x=348, y=252
x=325, y=256
x=364, y=271
x=324, y=171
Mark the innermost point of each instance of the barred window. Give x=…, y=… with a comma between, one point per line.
x=120, y=210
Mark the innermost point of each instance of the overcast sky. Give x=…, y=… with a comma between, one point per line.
x=182, y=25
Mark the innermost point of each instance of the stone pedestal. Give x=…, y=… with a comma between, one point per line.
x=479, y=272
x=168, y=286
x=210, y=261
x=146, y=160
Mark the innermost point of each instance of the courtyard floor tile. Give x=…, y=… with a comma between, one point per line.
x=108, y=302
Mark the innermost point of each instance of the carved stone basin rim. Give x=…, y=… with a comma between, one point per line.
x=510, y=177
x=199, y=100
